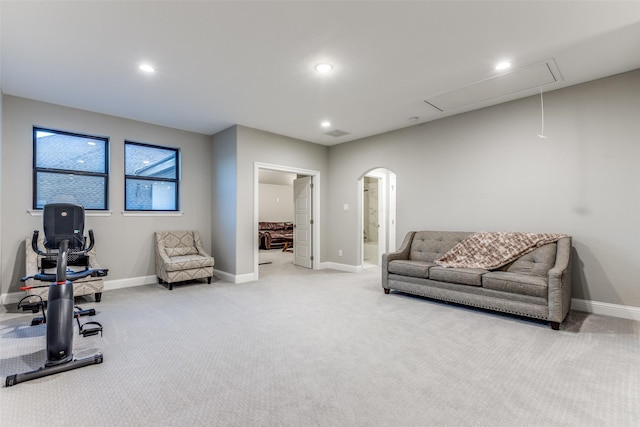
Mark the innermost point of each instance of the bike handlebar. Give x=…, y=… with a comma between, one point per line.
x=36, y=249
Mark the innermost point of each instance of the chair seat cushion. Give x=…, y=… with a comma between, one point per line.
x=516, y=283
x=407, y=267
x=85, y=286
x=463, y=276
x=186, y=262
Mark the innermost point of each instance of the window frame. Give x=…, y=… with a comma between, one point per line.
x=36, y=169
x=175, y=181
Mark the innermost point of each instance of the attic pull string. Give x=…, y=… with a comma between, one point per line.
x=541, y=134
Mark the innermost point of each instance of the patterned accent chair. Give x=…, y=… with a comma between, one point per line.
x=85, y=286
x=181, y=257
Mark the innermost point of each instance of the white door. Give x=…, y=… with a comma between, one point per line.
x=302, y=226
x=391, y=231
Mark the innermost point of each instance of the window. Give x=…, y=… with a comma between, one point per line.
x=70, y=168
x=151, y=177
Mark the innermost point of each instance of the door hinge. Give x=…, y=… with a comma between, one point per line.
x=311, y=257
x=311, y=222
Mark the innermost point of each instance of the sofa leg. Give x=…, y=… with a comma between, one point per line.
x=98, y=296
x=209, y=280
x=170, y=286
x=159, y=281
x=555, y=325
x=386, y=291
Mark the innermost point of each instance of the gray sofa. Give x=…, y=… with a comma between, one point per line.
x=536, y=285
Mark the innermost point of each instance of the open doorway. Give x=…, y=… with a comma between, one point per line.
x=378, y=215
x=287, y=196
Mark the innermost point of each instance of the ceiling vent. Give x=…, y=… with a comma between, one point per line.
x=505, y=84
x=336, y=133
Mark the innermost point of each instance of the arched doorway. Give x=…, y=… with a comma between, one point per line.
x=377, y=232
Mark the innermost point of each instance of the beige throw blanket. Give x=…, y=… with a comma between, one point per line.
x=490, y=250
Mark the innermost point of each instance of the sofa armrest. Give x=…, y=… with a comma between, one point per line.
x=162, y=259
x=402, y=253
x=559, y=297
x=31, y=262
x=161, y=253
x=93, y=260
x=405, y=248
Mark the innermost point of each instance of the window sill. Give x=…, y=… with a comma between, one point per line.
x=38, y=212
x=125, y=213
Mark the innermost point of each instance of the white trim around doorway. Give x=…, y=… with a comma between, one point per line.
x=257, y=166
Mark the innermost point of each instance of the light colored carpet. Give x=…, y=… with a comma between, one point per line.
x=322, y=348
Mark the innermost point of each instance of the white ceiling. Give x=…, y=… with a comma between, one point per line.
x=276, y=177
x=251, y=63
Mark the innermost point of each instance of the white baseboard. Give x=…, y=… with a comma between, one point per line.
x=110, y=285
x=149, y=280
x=11, y=298
x=235, y=278
x=606, y=309
x=340, y=267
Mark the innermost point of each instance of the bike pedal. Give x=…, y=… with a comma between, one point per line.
x=37, y=321
x=33, y=307
x=88, y=312
x=27, y=305
x=94, y=329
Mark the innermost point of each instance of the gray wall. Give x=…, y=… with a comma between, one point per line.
x=264, y=147
x=483, y=170
x=276, y=203
x=124, y=244
x=487, y=170
x=1, y=168
x=235, y=152
x=1, y=180
x=224, y=200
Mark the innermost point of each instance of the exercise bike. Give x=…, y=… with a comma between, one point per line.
x=64, y=233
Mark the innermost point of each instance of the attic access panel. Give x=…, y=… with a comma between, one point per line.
x=495, y=87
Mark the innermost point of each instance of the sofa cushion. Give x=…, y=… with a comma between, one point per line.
x=431, y=245
x=181, y=250
x=407, y=267
x=524, y=284
x=463, y=276
x=535, y=263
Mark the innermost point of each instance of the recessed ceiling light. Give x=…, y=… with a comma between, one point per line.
x=503, y=65
x=325, y=124
x=147, y=68
x=414, y=118
x=323, y=67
